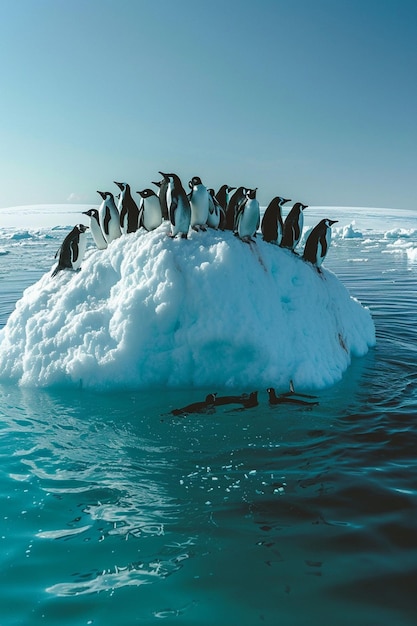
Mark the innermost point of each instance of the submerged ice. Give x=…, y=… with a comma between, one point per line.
x=208, y=311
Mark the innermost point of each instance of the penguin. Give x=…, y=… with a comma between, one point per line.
x=128, y=209
x=72, y=250
x=197, y=407
x=216, y=214
x=288, y=398
x=272, y=224
x=150, y=214
x=162, y=193
x=95, y=229
x=248, y=216
x=233, y=206
x=223, y=195
x=293, y=226
x=199, y=202
x=318, y=243
x=179, y=208
x=246, y=400
x=109, y=217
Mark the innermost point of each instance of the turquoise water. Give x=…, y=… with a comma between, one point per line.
x=115, y=512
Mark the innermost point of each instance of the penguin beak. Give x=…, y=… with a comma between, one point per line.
x=102, y=194
x=286, y=200
x=120, y=185
x=333, y=222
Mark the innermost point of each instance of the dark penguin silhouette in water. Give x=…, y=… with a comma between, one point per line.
x=128, y=209
x=162, y=194
x=318, y=243
x=293, y=226
x=291, y=397
x=197, y=407
x=72, y=250
x=272, y=225
x=95, y=228
x=179, y=208
x=247, y=400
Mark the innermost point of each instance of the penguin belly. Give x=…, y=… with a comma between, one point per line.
x=199, y=202
x=78, y=251
x=182, y=218
x=151, y=213
x=248, y=220
x=110, y=223
x=213, y=218
x=97, y=234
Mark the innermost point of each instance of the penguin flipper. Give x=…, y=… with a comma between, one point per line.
x=106, y=221
x=172, y=210
x=75, y=250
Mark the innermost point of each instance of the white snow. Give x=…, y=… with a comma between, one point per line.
x=207, y=311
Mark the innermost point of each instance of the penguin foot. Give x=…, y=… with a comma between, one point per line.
x=184, y=236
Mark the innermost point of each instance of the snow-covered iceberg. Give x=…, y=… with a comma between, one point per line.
x=207, y=311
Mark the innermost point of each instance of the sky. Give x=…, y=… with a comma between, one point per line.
x=314, y=100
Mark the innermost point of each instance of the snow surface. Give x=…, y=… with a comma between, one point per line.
x=207, y=311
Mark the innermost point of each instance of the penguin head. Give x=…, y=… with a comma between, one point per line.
x=196, y=180
x=91, y=213
x=81, y=228
x=284, y=200
x=106, y=195
x=146, y=193
x=251, y=193
x=330, y=222
x=157, y=184
x=122, y=186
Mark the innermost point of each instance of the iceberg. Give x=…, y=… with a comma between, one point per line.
x=209, y=311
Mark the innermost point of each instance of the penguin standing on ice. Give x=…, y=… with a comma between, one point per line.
x=150, y=214
x=128, y=209
x=248, y=216
x=216, y=214
x=272, y=225
x=162, y=193
x=109, y=217
x=318, y=243
x=95, y=229
x=179, y=208
x=233, y=206
x=293, y=226
x=72, y=250
x=199, y=202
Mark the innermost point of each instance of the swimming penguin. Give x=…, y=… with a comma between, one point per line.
x=248, y=216
x=232, y=207
x=109, y=217
x=150, y=214
x=289, y=398
x=72, y=250
x=247, y=400
x=216, y=214
x=197, y=407
x=199, y=201
x=293, y=226
x=318, y=243
x=179, y=208
x=95, y=228
x=272, y=224
x=162, y=193
x=128, y=209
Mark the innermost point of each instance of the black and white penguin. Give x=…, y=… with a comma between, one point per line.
x=248, y=216
x=95, y=228
x=223, y=195
x=216, y=214
x=109, y=217
x=199, y=202
x=272, y=224
x=150, y=214
x=128, y=209
x=318, y=243
x=232, y=208
x=293, y=226
x=179, y=209
x=162, y=193
x=72, y=250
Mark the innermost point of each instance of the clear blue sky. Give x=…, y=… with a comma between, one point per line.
x=315, y=100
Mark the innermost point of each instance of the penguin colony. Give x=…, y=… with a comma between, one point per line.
x=231, y=208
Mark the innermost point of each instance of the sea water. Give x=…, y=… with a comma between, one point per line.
x=113, y=511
